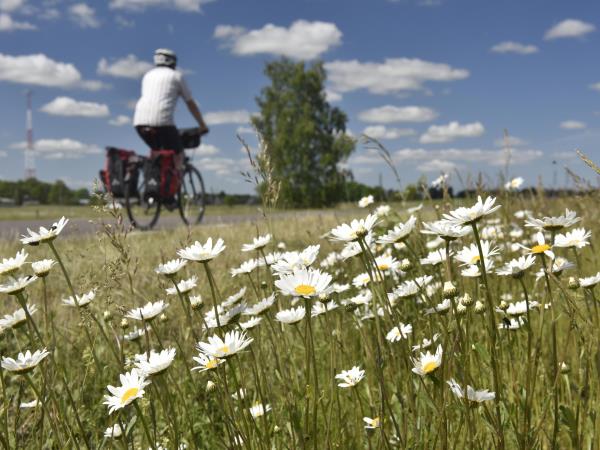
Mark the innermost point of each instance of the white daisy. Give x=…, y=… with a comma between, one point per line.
x=245, y=268
x=170, y=268
x=522, y=213
x=440, y=307
x=383, y=210
x=44, y=234
x=445, y=230
x=80, y=300
x=366, y=201
x=517, y=267
x=399, y=233
x=402, y=331
x=554, y=223
x=511, y=323
x=468, y=216
x=304, y=283
x=577, y=238
x=233, y=343
x=149, y=311
x=196, y=301
x=25, y=362
x=540, y=248
x=440, y=181
x=319, y=308
x=184, y=286
x=113, y=432
x=387, y=263
x=258, y=410
x=514, y=184
x=233, y=299
x=357, y=229
x=427, y=362
x=17, y=318
x=17, y=285
x=135, y=334
x=156, y=363
x=436, y=257
x=415, y=209
x=205, y=362
x=251, y=323
x=559, y=264
x=474, y=271
x=257, y=243
x=350, y=378
x=518, y=308
x=590, y=282
x=132, y=388
x=202, y=252
x=410, y=288
x=470, y=255
x=362, y=298
x=32, y=404
x=290, y=316
x=372, y=423
x=42, y=268
x=472, y=394
x=11, y=265
x=426, y=343
x=363, y=279
x=260, y=307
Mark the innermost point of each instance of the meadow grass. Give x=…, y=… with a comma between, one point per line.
x=281, y=390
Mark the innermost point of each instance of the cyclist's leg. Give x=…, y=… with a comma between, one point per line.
x=171, y=139
x=149, y=135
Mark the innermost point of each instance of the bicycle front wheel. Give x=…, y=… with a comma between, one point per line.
x=191, y=196
x=142, y=198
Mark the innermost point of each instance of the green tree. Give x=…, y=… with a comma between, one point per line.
x=305, y=136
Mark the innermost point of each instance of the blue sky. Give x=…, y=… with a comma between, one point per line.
x=436, y=81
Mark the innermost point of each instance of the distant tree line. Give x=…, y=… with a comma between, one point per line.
x=33, y=190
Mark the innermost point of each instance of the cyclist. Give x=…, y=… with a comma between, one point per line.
x=153, y=118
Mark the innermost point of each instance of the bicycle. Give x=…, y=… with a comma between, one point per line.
x=141, y=187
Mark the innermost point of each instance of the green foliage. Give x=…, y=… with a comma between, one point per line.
x=57, y=193
x=305, y=136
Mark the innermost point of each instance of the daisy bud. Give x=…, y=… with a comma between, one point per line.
x=466, y=300
x=276, y=429
x=461, y=309
x=163, y=317
x=503, y=305
x=124, y=323
x=449, y=290
x=573, y=283
x=405, y=265
x=479, y=307
x=564, y=368
x=263, y=285
x=107, y=315
x=281, y=246
x=196, y=302
x=210, y=386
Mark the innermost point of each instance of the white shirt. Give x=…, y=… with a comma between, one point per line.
x=161, y=87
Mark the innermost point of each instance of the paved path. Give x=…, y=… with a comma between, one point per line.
x=12, y=229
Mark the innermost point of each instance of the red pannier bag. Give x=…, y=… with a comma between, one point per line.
x=163, y=162
x=113, y=175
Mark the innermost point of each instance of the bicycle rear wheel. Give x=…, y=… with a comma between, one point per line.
x=141, y=200
x=191, y=196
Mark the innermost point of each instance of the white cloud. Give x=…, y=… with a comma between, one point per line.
x=84, y=15
x=245, y=130
x=382, y=132
x=65, y=148
x=332, y=96
x=569, y=28
x=302, y=40
x=205, y=150
x=392, y=76
x=128, y=67
x=120, y=120
x=393, y=114
x=240, y=117
x=11, y=5
x=40, y=70
x=572, y=125
x=565, y=155
x=223, y=166
x=141, y=5
x=8, y=24
x=491, y=157
x=514, y=47
x=511, y=141
x=66, y=106
x=123, y=22
x=595, y=86
x=437, y=165
x=437, y=134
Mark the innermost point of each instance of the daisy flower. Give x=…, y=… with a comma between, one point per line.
x=373, y=423
x=290, y=316
x=440, y=307
x=554, y=223
x=470, y=255
x=436, y=257
x=196, y=301
x=170, y=268
x=518, y=308
x=206, y=362
x=44, y=234
x=559, y=265
x=516, y=267
x=352, y=249
x=577, y=238
x=440, y=181
x=474, y=270
x=42, y=268
x=25, y=362
x=260, y=307
x=32, y=404
x=17, y=285
x=363, y=298
x=202, y=253
x=17, y=318
x=541, y=248
x=251, y=323
x=184, y=286
x=415, y=209
x=350, y=378
x=363, y=279
x=132, y=388
x=511, y=323
x=149, y=311
x=135, y=334
x=522, y=213
x=319, y=308
x=387, y=263
x=245, y=268
x=468, y=216
x=410, y=288
x=156, y=363
x=514, y=184
x=113, y=432
x=445, y=230
x=258, y=410
x=233, y=299
x=399, y=233
x=257, y=243
x=400, y=332
x=366, y=201
x=472, y=395
x=357, y=229
x=590, y=282
x=304, y=283
x=80, y=300
x=427, y=362
x=11, y=265
x=233, y=343
x=383, y=210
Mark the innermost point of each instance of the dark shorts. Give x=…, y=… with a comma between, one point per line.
x=161, y=138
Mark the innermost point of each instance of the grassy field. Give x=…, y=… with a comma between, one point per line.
x=544, y=372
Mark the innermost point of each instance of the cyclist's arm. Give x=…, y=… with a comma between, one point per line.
x=195, y=111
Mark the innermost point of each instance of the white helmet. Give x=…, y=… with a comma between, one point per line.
x=165, y=57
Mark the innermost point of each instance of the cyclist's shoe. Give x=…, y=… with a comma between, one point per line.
x=170, y=203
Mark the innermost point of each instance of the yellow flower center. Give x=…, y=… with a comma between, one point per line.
x=430, y=367
x=212, y=363
x=541, y=248
x=375, y=422
x=475, y=259
x=131, y=392
x=383, y=266
x=304, y=289
x=225, y=350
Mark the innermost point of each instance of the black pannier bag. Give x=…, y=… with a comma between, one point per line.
x=190, y=137
x=113, y=175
